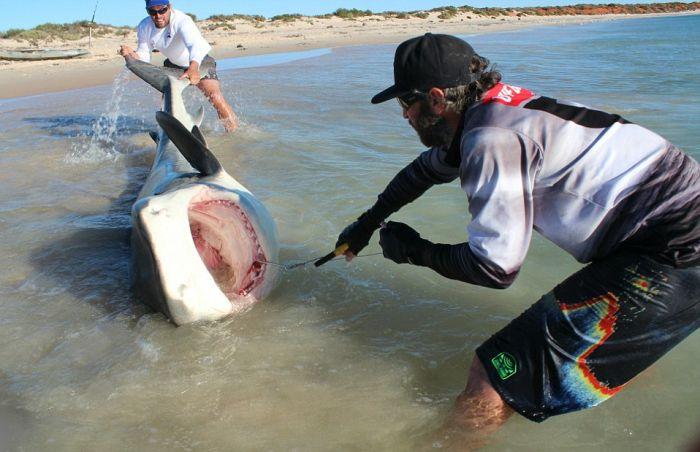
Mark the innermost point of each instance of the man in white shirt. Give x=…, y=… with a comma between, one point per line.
x=175, y=34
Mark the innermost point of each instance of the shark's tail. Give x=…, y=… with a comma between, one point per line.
x=155, y=76
x=167, y=81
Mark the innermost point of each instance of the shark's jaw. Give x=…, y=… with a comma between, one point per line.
x=204, y=252
x=228, y=245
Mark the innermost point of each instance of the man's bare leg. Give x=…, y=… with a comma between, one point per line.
x=212, y=90
x=478, y=412
x=480, y=407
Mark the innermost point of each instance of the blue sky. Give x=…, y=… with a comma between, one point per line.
x=130, y=12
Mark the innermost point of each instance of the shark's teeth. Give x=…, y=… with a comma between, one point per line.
x=255, y=273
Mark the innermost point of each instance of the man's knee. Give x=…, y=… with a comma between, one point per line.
x=208, y=89
x=480, y=405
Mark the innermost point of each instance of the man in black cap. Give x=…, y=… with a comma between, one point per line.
x=608, y=191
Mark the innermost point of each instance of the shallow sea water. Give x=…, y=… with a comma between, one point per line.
x=367, y=356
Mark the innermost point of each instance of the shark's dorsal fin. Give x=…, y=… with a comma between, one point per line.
x=155, y=76
x=154, y=136
x=198, y=135
x=198, y=117
x=196, y=153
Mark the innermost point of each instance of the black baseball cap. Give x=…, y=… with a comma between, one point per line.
x=429, y=61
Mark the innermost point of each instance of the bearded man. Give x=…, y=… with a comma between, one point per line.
x=611, y=193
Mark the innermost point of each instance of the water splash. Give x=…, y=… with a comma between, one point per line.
x=99, y=144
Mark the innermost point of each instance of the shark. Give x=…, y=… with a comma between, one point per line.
x=202, y=244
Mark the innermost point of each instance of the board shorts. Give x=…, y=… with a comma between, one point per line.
x=207, y=69
x=582, y=342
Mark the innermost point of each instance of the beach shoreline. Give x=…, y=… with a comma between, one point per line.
x=19, y=79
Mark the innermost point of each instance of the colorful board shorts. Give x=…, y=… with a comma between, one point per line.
x=207, y=69
x=581, y=343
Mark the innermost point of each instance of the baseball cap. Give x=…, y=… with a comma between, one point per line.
x=431, y=60
x=151, y=3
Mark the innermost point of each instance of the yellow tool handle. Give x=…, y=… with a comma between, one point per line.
x=336, y=252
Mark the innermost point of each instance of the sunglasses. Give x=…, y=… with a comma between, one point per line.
x=411, y=98
x=155, y=12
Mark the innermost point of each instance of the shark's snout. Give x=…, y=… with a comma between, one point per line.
x=206, y=251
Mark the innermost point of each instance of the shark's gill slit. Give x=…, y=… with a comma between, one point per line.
x=227, y=244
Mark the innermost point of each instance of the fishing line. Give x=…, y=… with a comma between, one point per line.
x=293, y=266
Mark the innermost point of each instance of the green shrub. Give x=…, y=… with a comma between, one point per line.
x=227, y=17
x=447, y=14
x=443, y=8
x=494, y=11
x=11, y=33
x=286, y=17
x=224, y=25
x=351, y=13
x=68, y=32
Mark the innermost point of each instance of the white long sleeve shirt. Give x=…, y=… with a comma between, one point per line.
x=180, y=41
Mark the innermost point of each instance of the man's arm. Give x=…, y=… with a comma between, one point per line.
x=197, y=46
x=408, y=185
x=498, y=171
x=143, y=47
x=143, y=50
x=415, y=179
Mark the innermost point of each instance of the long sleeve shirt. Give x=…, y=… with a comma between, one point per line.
x=589, y=181
x=180, y=41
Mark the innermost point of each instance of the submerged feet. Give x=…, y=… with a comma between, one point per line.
x=230, y=123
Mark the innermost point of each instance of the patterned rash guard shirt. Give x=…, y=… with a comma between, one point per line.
x=180, y=41
x=589, y=181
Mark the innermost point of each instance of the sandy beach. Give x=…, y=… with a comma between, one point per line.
x=242, y=37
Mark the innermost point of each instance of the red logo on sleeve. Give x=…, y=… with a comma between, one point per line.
x=506, y=95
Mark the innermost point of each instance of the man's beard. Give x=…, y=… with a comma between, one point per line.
x=432, y=129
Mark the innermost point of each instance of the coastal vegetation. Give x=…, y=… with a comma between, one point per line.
x=285, y=17
x=71, y=32
x=232, y=17
x=67, y=32
x=350, y=13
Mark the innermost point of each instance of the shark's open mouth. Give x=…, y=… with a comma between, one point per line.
x=228, y=245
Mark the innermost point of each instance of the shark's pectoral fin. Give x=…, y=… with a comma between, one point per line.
x=194, y=150
x=154, y=136
x=198, y=135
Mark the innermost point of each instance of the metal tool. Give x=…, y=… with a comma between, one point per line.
x=318, y=261
x=335, y=253
x=288, y=266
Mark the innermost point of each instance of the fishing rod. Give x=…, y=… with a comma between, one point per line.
x=92, y=22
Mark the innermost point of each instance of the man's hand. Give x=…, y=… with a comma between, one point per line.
x=192, y=73
x=357, y=235
x=127, y=52
x=400, y=242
